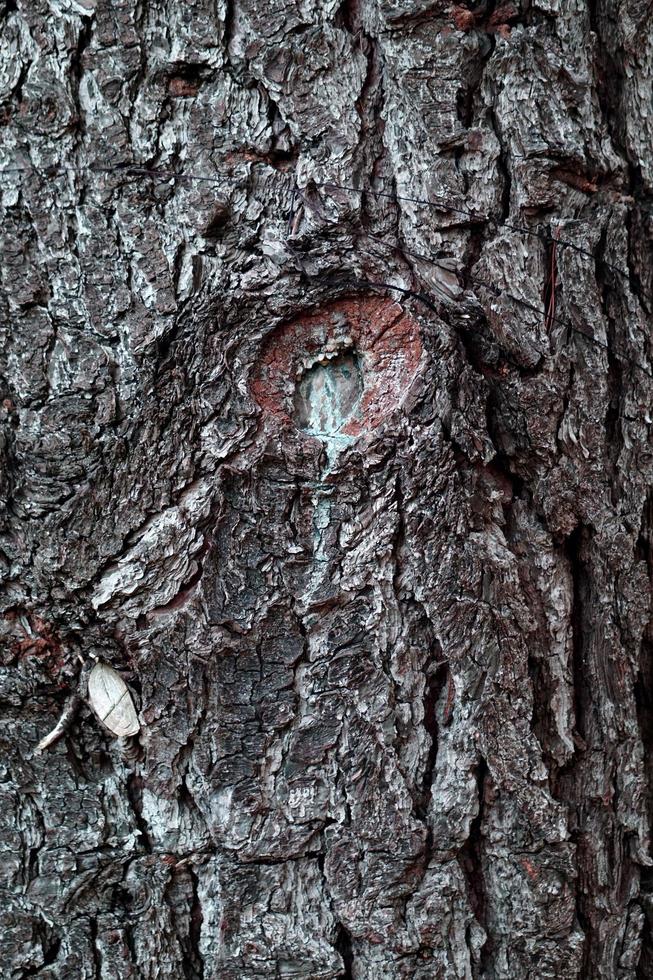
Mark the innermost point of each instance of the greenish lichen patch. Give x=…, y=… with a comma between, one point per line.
x=328, y=394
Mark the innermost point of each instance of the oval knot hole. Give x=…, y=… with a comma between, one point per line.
x=328, y=394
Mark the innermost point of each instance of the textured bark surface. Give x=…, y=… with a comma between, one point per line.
x=377, y=575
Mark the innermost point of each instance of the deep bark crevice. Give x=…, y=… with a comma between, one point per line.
x=574, y=551
x=343, y=946
x=437, y=678
x=645, y=965
x=644, y=704
x=639, y=264
x=615, y=368
x=96, y=956
x=134, y=785
x=566, y=782
x=503, y=167
x=195, y=928
x=471, y=858
x=609, y=74
x=348, y=16
x=51, y=945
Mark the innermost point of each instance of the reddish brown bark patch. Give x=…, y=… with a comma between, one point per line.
x=182, y=87
x=384, y=338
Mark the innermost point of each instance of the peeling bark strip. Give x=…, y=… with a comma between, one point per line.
x=379, y=575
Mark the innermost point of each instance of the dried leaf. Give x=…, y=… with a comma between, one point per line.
x=111, y=701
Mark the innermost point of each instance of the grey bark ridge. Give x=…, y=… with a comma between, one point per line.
x=394, y=676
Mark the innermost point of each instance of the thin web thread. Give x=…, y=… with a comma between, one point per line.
x=496, y=291
x=436, y=201
x=440, y=204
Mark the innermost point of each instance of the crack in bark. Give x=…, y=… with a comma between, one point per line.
x=503, y=168
x=438, y=675
x=615, y=379
x=574, y=546
x=343, y=945
x=134, y=787
x=96, y=956
x=195, y=930
x=644, y=704
x=574, y=550
x=470, y=859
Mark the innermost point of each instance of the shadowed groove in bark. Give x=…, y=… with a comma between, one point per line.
x=344, y=947
x=639, y=265
x=470, y=858
x=609, y=75
x=615, y=374
x=644, y=702
x=134, y=785
x=129, y=932
x=570, y=776
x=438, y=678
x=574, y=552
x=645, y=965
x=504, y=169
x=96, y=957
x=195, y=929
x=50, y=945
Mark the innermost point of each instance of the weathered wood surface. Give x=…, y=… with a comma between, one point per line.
x=396, y=698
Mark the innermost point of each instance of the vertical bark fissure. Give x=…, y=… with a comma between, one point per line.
x=471, y=860
x=572, y=775
x=96, y=956
x=195, y=927
x=437, y=678
x=615, y=365
x=134, y=786
x=345, y=949
x=644, y=703
x=636, y=213
x=582, y=701
x=504, y=169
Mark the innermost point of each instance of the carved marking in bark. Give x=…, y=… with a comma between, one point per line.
x=328, y=393
x=381, y=342
x=336, y=374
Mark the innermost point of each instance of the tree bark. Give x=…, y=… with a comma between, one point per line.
x=338, y=449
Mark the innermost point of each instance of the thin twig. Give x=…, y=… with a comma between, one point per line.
x=71, y=708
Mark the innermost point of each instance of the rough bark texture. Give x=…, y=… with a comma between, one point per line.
x=379, y=576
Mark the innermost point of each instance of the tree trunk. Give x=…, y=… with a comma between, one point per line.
x=338, y=449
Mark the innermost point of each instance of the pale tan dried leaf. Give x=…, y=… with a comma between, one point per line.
x=111, y=701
